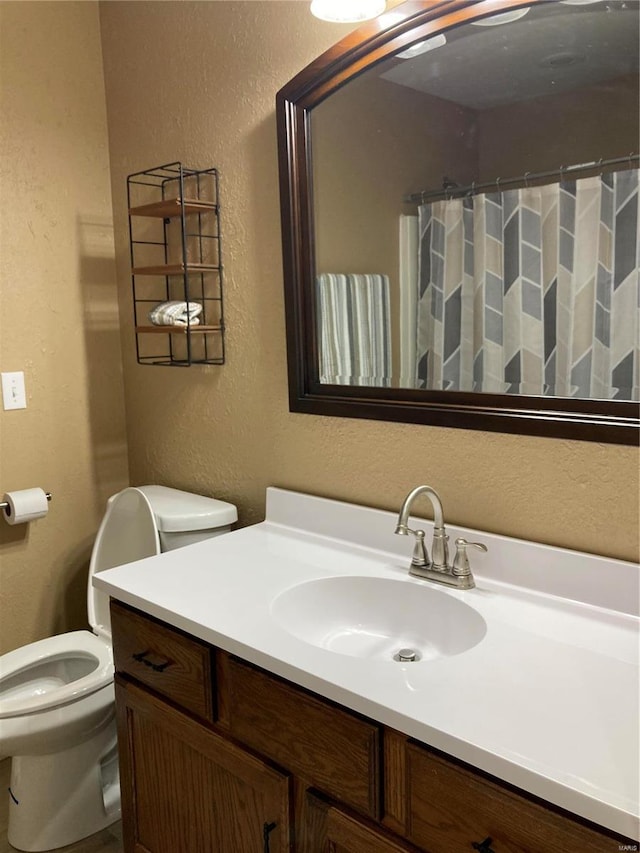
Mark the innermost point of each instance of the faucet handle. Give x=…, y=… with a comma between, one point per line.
x=420, y=557
x=461, y=567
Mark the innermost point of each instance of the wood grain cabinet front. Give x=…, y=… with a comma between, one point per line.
x=331, y=748
x=452, y=809
x=187, y=789
x=277, y=769
x=172, y=663
x=327, y=828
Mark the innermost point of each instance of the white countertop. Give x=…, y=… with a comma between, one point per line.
x=548, y=700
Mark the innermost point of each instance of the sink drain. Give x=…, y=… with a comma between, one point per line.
x=406, y=655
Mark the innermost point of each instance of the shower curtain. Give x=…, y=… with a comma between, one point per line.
x=532, y=290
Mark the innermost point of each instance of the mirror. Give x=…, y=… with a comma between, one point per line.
x=459, y=192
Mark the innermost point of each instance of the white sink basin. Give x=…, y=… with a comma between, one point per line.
x=375, y=618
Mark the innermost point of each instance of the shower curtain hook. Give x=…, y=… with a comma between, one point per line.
x=526, y=179
x=562, y=171
x=473, y=188
x=600, y=162
x=498, y=184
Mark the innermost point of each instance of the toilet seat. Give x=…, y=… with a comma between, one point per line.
x=58, y=670
x=128, y=532
x=81, y=662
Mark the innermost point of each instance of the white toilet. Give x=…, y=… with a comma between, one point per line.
x=57, y=713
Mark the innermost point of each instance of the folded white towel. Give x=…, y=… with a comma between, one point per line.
x=176, y=314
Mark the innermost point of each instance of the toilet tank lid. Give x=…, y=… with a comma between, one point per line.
x=176, y=511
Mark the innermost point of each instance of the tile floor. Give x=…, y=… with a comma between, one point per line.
x=107, y=841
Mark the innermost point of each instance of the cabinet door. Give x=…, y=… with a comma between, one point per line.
x=335, y=750
x=329, y=829
x=186, y=789
x=451, y=809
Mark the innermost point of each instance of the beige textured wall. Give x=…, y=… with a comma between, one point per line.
x=580, y=126
x=200, y=87
x=372, y=143
x=58, y=311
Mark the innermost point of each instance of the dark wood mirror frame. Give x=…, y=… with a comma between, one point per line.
x=609, y=421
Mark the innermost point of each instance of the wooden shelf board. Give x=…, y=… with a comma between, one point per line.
x=174, y=269
x=177, y=330
x=171, y=207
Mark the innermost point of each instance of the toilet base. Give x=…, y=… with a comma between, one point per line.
x=58, y=799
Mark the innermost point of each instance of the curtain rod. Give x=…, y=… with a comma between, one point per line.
x=451, y=190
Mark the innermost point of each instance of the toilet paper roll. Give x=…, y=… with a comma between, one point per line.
x=25, y=505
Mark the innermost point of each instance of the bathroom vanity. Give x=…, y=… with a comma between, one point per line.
x=244, y=728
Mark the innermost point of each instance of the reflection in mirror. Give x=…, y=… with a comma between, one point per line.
x=475, y=209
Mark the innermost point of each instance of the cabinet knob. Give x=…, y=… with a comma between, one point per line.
x=483, y=846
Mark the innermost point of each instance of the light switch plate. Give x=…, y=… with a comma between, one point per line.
x=13, y=391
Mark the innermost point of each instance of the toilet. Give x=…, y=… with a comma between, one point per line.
x=57, y=712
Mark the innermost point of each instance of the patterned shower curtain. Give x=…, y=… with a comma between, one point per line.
x=533, y=291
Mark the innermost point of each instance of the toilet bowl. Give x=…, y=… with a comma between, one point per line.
x=57, y=713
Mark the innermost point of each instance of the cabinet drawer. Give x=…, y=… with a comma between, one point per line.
x=450, y=808
x=171, y=663
x=332, y=749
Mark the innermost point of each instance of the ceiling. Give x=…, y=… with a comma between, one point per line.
x=555, y=48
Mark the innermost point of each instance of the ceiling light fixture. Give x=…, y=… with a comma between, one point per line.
x=347, y=11
x=504, y=18
x=423, y=46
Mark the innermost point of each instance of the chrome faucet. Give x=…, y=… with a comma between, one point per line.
x=436, y=568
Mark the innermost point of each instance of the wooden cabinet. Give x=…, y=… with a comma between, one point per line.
x=167, y=660
x=330, y=748
x=187, y=789
x=450, y=808
x=329, y=828
x=223, y=757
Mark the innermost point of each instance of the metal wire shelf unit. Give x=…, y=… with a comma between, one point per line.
x=176, y=257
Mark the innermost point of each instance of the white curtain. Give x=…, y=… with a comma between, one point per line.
x=533, y=290
x=408, y=237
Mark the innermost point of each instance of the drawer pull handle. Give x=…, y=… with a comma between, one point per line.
x=483, y=846
x=141, y=657
x=267, y=829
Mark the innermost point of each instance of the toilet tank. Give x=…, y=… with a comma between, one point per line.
x=183, y=518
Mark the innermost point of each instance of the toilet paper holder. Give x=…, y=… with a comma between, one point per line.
x=5, y=504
